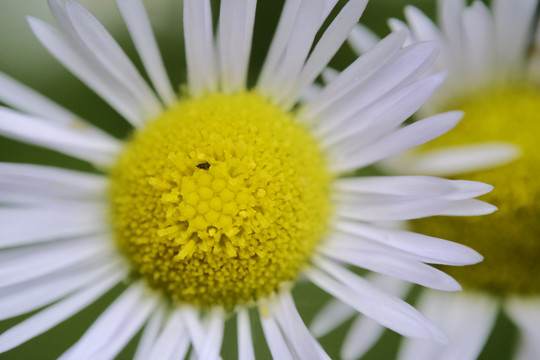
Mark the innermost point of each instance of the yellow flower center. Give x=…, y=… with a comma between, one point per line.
x=220, y=200
x=509, y=239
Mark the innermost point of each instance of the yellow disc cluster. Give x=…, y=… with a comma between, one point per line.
x=509, y=239
x=220, y=200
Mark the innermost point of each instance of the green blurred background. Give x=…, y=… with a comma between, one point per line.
x=25, y=59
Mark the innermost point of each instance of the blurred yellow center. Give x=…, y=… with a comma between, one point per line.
x=220, y=200
x=509, y=239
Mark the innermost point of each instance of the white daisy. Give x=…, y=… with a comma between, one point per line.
x=220, y=200
x=493, y=65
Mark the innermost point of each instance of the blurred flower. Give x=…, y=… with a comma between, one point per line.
x=493, y=65
x=220, y=200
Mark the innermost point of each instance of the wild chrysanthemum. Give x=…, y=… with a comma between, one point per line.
x=493, y=65
x=223, y=197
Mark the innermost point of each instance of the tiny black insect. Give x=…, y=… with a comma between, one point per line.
x=205, y=165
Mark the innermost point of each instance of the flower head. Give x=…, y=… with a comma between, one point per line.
x=491, y=56
x=222, y=197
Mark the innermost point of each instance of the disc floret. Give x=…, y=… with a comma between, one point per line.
x=220, y=200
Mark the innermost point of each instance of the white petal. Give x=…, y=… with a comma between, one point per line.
x=63, y=48
x=330, y=4
x=428, y=249
x=467, y=320
x=423, y=29
x=245, y=341
x=173, y=333
x=8, y=197
x=398, y=25
x=479, y=41
x=527, y=349
x=403, y=70
x=470, y=207
x=108, y=324
x=39, y=181
x=362, y=68
x=451, y=22
x=20, y=299
x=214, y=334
x=422, y=26
x=22, y=226
x=453, y=160
x=81, y=144
x=362, y=39
x=279, y=41
x=102, y=45
x=396, y=266
x=294, y=329
x=362, y=335
x=514, y=22
x=381, y=117
x=304, y=29
x=389, y=284
x=55, y=314
x=25, y=264
x=311, y=91
x=333, y=314
x=181, y=350
x=328, y=75
x=324, y=50
x=341, y=241
x=140, y=30
x=29, y=101
x=150, y=334
x=391, y=209
x=525, y=312
x=408, y=137
x=129, y=329
x=389, y=311
x=236, y=21
x=200, y=53
x=371, y=189
x=465, y=189
x=190, y=317
x=415, y=186
x=55, y=263
x=277, y=345
x=58, y=10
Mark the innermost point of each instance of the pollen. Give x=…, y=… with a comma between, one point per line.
x=221, y=200
x=508, y=238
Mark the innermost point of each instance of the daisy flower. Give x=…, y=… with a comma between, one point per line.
x=492, y=60
x=223, y=197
